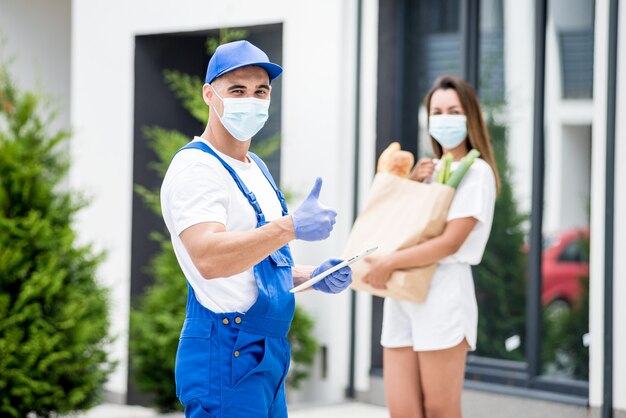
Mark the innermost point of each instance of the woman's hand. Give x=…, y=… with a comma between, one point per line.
x=423, y=170
x=379, y=272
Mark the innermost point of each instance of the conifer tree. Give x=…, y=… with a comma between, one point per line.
x=501, y=275
x=53, y=313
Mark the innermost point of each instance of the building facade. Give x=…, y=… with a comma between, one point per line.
x=548, y=73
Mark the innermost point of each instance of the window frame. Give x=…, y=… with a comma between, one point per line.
x=522, y=378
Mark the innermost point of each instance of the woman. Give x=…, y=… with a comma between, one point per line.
x=425, y=345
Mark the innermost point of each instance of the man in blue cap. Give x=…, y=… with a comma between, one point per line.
x=230, y=231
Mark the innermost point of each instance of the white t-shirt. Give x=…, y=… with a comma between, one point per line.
x=197, y=188
x=474, y=197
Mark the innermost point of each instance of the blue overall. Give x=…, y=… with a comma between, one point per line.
x=234, y=364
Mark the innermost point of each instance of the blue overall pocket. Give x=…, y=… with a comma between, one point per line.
x=282, y=257
x=193, y=359
x=250, y=352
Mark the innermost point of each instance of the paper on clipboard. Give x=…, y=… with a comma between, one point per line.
x=333, y=269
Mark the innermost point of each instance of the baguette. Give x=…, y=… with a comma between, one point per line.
x=402, y=163
x=385, y=160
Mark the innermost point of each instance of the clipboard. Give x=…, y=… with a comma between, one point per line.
x=331, y=270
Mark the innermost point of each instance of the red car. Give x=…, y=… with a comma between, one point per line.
x=565, y=261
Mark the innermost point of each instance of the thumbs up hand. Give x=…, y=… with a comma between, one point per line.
x=313, y=221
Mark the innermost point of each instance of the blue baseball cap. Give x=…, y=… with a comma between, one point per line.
x=233, y=55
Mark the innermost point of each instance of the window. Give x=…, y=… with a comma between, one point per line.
x=571, y=253
x=421, y=40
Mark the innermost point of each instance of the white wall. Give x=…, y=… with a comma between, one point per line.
x=319, y=141
x=367, y=157
x=36, y=36
x=553, y=132
x=598, y=154
x=566, y=134
x=519, y=58
x=619, y=272
x=336, y=335
x=575, y=176
x=318, y=104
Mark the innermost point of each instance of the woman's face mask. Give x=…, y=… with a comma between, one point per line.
x=448, y=130
x=243, y=117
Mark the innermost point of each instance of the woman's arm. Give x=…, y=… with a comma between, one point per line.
x=428, y=252
x=435, y=249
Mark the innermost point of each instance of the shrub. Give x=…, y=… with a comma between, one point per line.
x=564, y=352
x=501, y=276
x=53, y=314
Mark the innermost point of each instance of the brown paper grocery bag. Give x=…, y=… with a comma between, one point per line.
x=399, y=213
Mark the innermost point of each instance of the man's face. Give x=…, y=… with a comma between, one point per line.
x=240, y=83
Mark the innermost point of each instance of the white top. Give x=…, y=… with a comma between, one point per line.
x=197, y=188
x=450, y=312
x=474, y=197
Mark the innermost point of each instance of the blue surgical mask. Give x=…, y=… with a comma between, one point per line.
x=448, y=130
x=243, y=117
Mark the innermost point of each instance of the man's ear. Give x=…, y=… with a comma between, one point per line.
x=207, y=93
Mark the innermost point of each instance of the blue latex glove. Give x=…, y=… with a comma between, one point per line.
x=334, y=282
x=313, y=221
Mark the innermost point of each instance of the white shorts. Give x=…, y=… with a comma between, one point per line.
x=447, y=317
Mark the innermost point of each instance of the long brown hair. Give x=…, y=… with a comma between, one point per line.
x=477, y=133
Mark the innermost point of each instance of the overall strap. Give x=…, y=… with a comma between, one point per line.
x=247, y=193
x=268, y=176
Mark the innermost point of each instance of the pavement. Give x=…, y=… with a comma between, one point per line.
x=476, y=404
x=350, y=409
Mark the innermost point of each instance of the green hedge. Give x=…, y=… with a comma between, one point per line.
x=53, y=314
